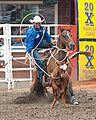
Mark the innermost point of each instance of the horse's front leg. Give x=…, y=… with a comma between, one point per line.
x=34, y=81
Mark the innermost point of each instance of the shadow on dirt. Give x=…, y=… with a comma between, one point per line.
x=32, y=98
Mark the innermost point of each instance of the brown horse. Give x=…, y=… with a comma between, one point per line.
x=58, y=54
x=59, y=77
x=59, y=66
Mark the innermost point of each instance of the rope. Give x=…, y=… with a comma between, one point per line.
x=31, y=57
x=63, y=58
x=42, y=68
x=20, y=62
x=51, y=56
x=39, y=44
x=25, y=18
x=39, y=41
x=60, y=49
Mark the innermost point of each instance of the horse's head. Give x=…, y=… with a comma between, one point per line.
x=66, y=39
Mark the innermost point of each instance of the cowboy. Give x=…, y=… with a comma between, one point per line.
x=35, y=39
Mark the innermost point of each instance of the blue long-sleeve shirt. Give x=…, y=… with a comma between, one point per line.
x=34, y=36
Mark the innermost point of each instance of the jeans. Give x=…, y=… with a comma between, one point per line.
x=71, y=96
x=38, y=58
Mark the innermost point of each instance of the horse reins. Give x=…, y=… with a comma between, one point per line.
x=58, y=49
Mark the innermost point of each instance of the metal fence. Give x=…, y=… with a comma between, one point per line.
x=12, y=53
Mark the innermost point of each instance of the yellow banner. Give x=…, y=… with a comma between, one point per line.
x=87, y=18
x=87, y=64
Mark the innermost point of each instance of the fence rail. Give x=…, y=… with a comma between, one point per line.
x=9, y=53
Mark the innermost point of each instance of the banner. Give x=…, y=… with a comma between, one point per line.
x=87, y=18
x=87, y=64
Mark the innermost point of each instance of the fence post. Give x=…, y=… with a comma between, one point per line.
x=7, y=41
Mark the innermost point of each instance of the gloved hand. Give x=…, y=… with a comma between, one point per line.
x=26, y=58
x=54, y=42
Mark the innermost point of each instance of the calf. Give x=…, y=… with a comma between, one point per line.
x=59, y=82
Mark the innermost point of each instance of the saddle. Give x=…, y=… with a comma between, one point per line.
x=45, y=53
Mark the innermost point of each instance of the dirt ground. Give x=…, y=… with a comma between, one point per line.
x=17, y=104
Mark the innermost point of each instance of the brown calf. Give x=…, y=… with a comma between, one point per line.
x=59, y=79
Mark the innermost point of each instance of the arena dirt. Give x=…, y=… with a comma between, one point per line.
x=20, y=105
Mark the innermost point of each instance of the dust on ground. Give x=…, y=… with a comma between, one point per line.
x=18, y=104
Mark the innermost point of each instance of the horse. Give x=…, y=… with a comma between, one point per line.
x=65, y=44
x=59, y=54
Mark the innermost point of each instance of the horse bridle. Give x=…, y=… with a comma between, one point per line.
x=67, y=35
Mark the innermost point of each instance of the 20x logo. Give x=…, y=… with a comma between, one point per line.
x=89, y=8
x=89, y=58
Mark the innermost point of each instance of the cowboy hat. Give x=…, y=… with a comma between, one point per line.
x=36, y=19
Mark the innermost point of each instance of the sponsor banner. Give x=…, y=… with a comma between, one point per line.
x=87, y=64
x=73, y=62
x=87, y=18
